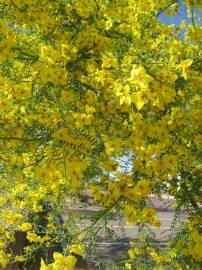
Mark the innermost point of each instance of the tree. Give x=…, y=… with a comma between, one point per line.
x=97, y=95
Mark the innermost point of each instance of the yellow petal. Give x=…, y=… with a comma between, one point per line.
x=139, y=99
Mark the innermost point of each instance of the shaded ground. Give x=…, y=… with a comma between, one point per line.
x=112, y=247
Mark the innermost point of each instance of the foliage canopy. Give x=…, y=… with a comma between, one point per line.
x=98, y=95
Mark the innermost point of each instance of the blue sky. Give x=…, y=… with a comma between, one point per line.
x=177, y=18
x=181, y=15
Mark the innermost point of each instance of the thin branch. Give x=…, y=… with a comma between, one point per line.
x=192, y=18
x=19, y=139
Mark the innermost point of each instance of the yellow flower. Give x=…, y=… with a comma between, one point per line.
x=144, y=187
x=110, y=165
x=131, y=253
x=62, y=262
x=66, y=96
x=128, y=266
x=96, y=193
x=33, y=238
x=77, y=249
x=109, y=61
x=11, y=218
x=113, y=145
x=168, y=94
x=146, y=5
x=4, y=259
x=48, y=54
x=129, y=213
x=61, y=134
x=3, y=27
x=44, y=266
x=185, y=67
x=25, y=227
x=85, y=8
x=140, y=98
x=150, y=215
x=140, y=77
x=5, y=105
x=170, y=161
x=43, y=174
x=20, y=258
x=113, y=190
x=138, y=166
x=47, y=73
x=90, y=97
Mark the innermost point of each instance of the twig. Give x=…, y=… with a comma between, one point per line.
x=192, y=18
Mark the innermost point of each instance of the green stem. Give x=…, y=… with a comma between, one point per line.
x=104, y=213
x=192, y=18
x=19, y=139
